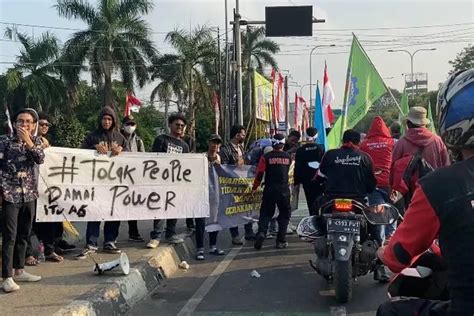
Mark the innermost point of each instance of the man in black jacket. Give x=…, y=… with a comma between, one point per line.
x=171, y=143
x=347, y=171
x=307, y=160
x=105, y=138
x=233, y=153
x=275, y=166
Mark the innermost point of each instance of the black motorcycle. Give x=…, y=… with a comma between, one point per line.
x=345, y=249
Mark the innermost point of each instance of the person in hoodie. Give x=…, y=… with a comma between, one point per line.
x=135, y=144
x=418, y=137
x=105, y=138
x=379, y=144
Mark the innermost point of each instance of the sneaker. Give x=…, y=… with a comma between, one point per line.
x=9, y=285
x=111, y=248
x=153, y=243
x=259, y=241
x=89, y=250
x=200, y=255
x=63, y=246
x=174, y=240
x=26, y=277
x=236, y=241
x=136, y=238
x=281, y=245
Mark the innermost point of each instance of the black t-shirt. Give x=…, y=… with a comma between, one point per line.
x=348, y=171
x=275, y=165
x=168, y=144
x=305, y=154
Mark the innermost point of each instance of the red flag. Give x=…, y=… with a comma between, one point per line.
x=328, y=97
x=132, y=104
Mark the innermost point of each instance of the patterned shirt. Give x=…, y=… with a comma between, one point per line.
x=18, y=177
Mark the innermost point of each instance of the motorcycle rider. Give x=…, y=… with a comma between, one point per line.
x=347, y=172
x=442, y=207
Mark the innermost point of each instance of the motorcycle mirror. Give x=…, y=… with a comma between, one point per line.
x=381, y=214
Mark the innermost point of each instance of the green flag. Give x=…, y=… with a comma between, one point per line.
x=405, y=109
x=430, y=117
x=364, y=86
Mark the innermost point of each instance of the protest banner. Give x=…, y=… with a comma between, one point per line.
x=263, y=97
x=81, y=185
x=232, y=201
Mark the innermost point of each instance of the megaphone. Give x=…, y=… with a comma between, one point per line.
x=121, y=262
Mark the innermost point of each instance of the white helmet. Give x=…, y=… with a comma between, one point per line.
x=306, y=228
x=455, y=110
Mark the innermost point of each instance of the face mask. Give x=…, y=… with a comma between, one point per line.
x=129, y=129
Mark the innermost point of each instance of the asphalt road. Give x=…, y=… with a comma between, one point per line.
x=287, y=285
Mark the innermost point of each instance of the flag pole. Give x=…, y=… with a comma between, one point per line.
x=346, y=90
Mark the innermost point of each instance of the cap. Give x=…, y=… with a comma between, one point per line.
x=128, y=119
x=215, y=137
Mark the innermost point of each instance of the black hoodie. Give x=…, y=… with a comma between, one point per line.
x=109, y=136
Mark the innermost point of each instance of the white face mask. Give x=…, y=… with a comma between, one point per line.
x=129, y=129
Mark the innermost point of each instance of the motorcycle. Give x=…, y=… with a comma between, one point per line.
x=345, y=250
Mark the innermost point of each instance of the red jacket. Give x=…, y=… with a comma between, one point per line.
x=434, y=150
x=378, y=144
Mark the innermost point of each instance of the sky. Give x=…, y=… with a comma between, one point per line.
x=446, y=25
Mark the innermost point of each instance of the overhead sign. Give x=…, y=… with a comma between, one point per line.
x=289, y=21
x=81, y=185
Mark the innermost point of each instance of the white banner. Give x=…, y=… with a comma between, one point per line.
x=81, y=185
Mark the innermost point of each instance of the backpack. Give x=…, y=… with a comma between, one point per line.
x=407, y=170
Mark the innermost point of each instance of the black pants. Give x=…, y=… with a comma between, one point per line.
x=234, y=231
x=50, y=234
x=271, y=198
x=199, y=234
x=133, y=229
x=311, y=192
x=17, y=221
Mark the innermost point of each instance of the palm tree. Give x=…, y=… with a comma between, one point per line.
x=34, y=78
x=182, y=73
x=257, y=51
x=117, y=39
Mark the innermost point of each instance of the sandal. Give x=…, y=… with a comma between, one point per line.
x=31, y=261
x=54, y=257
x=200, y=255
x=216, y=252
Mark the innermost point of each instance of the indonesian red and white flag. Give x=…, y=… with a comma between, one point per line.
x=328, y=98
x=132, y=104
x=300, y=112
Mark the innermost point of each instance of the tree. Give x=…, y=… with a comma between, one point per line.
x=34, y=79
x=183, y=71
x=117, y=39
x=463, y=60
x=258, y=51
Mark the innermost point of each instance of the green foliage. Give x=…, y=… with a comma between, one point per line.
x=204, y=127
x=67, y=132
x=149, y=121
x=463, y=60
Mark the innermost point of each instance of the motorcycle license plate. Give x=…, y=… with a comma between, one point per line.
x=343, y=226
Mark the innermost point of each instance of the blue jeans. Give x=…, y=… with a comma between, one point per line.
x=158, y=228
x=111, y=230
x=378, y=197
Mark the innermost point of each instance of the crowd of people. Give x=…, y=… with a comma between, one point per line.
x=439, y=204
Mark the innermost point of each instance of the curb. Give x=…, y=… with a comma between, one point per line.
x=119, y=297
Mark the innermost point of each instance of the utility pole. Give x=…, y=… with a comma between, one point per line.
x=238, y=51
x=226, y=129
x=219, y=80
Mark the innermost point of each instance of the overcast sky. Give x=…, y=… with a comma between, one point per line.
x=380, y=25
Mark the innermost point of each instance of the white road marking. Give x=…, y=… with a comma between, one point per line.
x=199, y=295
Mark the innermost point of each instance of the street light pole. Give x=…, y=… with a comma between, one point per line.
x=238, y=52
x=305, y=85
x=311, y=71
x=411, y=62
